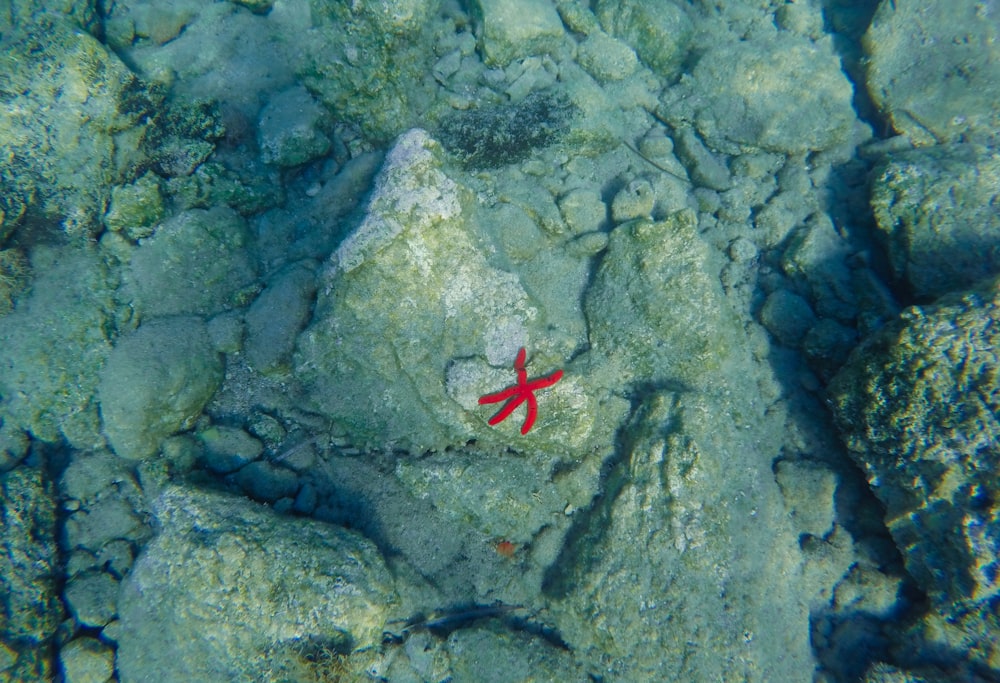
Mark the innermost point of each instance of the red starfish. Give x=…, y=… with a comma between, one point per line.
x=519, y=393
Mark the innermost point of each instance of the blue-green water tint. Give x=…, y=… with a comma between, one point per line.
x=260, y=259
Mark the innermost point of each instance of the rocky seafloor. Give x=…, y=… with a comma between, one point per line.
x=261, y=260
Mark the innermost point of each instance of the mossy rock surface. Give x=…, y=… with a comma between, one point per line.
x=918, y=405
x=490, y=137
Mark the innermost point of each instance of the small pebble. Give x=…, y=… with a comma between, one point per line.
x=86, y=660
x=635, y=200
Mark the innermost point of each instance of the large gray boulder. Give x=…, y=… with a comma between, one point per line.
x=228, y=590
x=691, y=499
x=422, y=311
x=919, y=407
x=782, y=93
x=934, y=69
x=688, y=568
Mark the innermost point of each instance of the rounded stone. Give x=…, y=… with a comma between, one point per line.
x=742, y=250
x=635, y=200
x=227, y=448
x=92, y=598
x=583, y=210
x=787, y=316
x=263, y=481
x=86, y=660
x=155, y=383
x=291, y=128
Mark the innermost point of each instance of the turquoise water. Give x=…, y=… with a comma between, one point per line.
x=426, y=340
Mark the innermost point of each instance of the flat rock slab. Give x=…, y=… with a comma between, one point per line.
x=934, y=69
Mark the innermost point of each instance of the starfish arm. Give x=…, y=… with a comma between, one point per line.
x=529, y=420
x=519, y=393
x=519, y=361
x=543, y=382
x=511, y=406
x=499, y=396
x=522, y=377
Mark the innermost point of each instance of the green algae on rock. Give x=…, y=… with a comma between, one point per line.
x=659, y=32
x=311, y=580
x=136, y=208
x=419, y=316
x=369, y=65
x=490, y=137
x=513, y=29
x=918, y=405
x=72, y=116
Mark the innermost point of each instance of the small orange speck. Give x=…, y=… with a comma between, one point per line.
x=506, y=549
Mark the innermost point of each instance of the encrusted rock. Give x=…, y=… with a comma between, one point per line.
x=416, y=320
x=955, y=94
x=936, y=209
x=606, y=58
x=919, y=407
x=30, y=610
x=367, y=62
x=783, y=93
x=283, y=582
x=510, y=29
